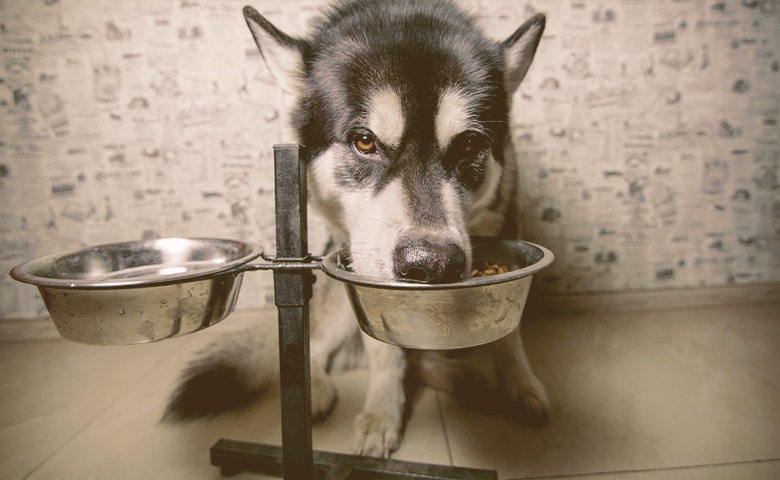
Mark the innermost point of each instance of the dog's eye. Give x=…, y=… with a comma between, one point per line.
x=365, y=144
x=466, y=158
x=469, y=144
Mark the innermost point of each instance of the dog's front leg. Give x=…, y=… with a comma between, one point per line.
x=528, y=397
x=333, y=328
x=378, y=427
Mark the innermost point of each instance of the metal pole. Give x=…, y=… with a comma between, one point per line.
x=292, y=291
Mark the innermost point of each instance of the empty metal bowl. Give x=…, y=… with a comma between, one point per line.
x=138, y=292
x=440, y=317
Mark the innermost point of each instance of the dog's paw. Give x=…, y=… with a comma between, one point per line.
x=376, y=435
x=323, y=394
x=528, y=404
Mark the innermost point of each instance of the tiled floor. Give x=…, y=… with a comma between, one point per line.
x=691, y=393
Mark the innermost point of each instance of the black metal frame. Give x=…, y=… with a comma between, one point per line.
x=293, y=280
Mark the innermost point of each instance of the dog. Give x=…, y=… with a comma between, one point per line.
x=403, y=106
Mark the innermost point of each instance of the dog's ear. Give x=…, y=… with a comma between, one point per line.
x=281, y=52
x=519, y=50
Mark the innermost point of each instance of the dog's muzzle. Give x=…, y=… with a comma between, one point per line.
x=419, y=260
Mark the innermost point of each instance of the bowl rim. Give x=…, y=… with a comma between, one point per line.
x=332, y=267
x=22, y=272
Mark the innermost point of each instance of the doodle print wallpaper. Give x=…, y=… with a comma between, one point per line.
x=648, y=133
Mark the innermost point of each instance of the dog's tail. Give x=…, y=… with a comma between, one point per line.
x=229, y=373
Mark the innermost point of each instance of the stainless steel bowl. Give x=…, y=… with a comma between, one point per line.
x=145, y=291
x=138, y=292
x=440, y=317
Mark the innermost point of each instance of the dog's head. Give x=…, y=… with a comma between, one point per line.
x=403, y=107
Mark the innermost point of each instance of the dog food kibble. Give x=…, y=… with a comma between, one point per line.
x=485, y=269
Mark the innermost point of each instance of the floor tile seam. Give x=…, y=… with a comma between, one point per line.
x=67, y=441
x=103, y=411
x=443, y=422
x=681, y=468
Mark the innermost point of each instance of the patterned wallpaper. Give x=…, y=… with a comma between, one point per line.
x=648, y=133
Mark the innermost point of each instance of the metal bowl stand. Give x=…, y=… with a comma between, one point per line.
x=293, y=280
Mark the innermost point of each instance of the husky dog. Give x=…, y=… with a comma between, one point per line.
x=403, y=106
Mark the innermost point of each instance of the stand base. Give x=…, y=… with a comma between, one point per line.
x=235, y=457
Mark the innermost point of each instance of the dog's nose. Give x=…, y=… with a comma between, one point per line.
x=418, y=260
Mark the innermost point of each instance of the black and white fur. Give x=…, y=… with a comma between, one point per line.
x=403, y=106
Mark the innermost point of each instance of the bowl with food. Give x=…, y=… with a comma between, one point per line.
x=477, y=310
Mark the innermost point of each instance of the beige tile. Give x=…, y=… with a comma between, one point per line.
x=53, y=389
x=128, y=442
x=749, y=337
x=766, y=470
x=638, y=391
x=637, y=396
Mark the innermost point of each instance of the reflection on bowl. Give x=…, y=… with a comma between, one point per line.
x=437, y=317
x=137, y=292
